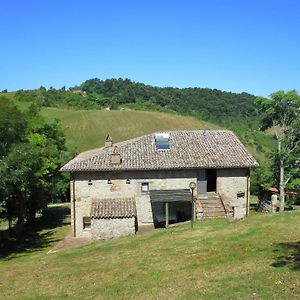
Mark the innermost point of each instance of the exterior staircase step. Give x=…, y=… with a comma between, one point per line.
x=220, y=209
x=209, y=201
x=212, y=206
x=211, y=217
x=214, y=213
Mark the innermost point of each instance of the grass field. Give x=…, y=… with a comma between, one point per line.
x=87, y=129
x=256, y=258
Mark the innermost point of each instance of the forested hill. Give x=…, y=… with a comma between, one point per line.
x=224, y=108
x=208, y=104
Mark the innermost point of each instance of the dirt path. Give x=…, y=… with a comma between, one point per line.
x=69, y=242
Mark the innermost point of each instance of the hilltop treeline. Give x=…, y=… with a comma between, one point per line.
x=207, y=104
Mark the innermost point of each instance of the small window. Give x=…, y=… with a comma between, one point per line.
x=127, y=181
x=145, y=187
x=108, y=181
x=86, y=223
x=90, y=182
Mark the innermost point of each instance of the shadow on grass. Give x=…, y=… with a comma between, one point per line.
x=37, y=237
x=288, y=256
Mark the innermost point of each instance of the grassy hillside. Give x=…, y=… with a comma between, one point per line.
x=256, y=258
x=87, y=129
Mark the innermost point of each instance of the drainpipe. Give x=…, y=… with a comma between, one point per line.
x=73, y=202
x=248, y=194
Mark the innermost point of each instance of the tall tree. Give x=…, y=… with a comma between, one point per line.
x=13, y=125
x=282, y=113
x=29, y=177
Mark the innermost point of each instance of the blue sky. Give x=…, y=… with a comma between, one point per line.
x=232, y=45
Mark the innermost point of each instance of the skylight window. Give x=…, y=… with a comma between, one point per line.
x=162, y=141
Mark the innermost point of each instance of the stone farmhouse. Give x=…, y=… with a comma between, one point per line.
x=146, y=181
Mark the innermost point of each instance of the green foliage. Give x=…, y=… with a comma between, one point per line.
x=12, y=125
x=204, y=103
x=262, y=176
x=282, y=113
x=29, y=162
x=57, y=98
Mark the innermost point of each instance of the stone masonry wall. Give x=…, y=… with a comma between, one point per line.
x=102, y=229
x=100, y=188
x=89, y=185
x=229, y=183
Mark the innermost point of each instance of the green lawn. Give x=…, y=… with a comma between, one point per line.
x=256, y=258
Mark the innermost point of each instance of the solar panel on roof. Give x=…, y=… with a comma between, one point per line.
x=162, y=141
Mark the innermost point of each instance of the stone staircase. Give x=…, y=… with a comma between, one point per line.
x=212, y=206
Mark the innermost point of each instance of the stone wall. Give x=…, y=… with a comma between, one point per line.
x=231, y=182
x=89, y=185
x=103, y=229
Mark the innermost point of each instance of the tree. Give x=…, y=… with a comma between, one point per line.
x=282, y=113
x=12, y=125
x=29, y=166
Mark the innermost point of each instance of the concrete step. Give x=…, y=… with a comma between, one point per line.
x=217, y=204
x=212, y=194
x=219, y=210
x=210, y=201
x=214, y=214
x=209, y=197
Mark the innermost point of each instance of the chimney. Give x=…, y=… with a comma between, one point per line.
x=108, y=141
x=116, y=157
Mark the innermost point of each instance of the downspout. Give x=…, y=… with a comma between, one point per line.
x=73, y=202
x=248, y=194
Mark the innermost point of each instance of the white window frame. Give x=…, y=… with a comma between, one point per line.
x=145, y=187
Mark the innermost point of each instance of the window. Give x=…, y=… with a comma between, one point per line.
x=86, y=223
x=162, y=141
x=90, y=182
x=145, y=187
x=108, y=181
x=127, y=181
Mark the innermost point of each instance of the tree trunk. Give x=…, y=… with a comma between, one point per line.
x=9, y=224
x=281, y=186
x=21, y=215
x=281, y=177
x=31, y=215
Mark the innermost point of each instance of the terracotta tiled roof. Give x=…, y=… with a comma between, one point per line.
x=110, y=208
x=188, y=149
